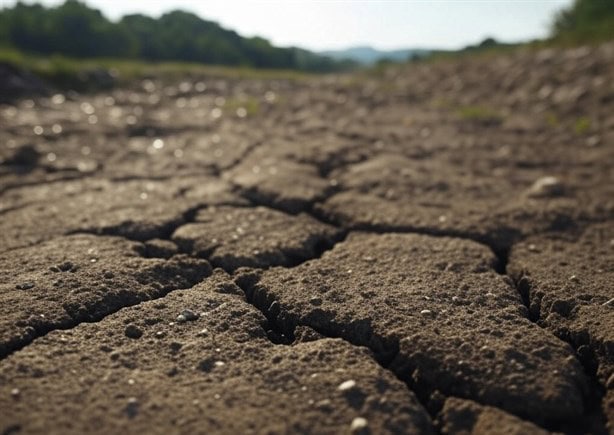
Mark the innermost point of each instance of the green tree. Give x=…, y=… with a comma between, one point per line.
x=585, y=21
x=76, y=30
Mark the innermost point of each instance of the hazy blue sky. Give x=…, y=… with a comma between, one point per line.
x=328, y=24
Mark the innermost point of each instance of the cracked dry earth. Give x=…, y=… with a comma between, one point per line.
x=342, y=254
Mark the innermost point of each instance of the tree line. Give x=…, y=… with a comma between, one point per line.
x=585, y=21
x=76, y=30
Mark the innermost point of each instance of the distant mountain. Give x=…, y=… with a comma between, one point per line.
x=368, y=55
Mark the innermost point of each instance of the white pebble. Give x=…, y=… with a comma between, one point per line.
x=546, y=187
x=347, y=385
x=358, y=424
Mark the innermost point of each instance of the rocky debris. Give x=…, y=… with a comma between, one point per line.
x=476, y=341
x=465, y=417
x=233, y=237
x=251, y=385
x=89, y=292
x=566, y=279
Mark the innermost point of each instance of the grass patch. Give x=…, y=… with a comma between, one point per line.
x=552, y=120
x=479, y=114
x=70, y=73
x=582, y=125
x=251, y=105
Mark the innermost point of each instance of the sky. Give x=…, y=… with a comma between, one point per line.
x=384, y=24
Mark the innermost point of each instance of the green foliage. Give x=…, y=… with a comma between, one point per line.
x=582, y=125
x=552, y=120
x=66, y=73
x=249, y=104
x=585, y=21
x=75, y=30
x=480, y=114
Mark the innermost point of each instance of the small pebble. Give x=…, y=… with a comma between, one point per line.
x=187, y=315
x=546, y=187
x=132, y=408
x=315, y=301
x=15, y=392
x=347, y=385
x=66, y=266
x=426, y=312
x=25, y=286
x=133, y=331
x=324, y=404
x=487, y=352
x=358, y=424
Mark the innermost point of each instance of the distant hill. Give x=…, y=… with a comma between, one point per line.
x=76, y=30
x=367, y=55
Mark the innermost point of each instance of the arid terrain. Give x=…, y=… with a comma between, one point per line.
x=416, y=249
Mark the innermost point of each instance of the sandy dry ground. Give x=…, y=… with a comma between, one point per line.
x=422, y=249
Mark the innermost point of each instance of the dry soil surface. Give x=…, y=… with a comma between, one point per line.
x=419, y=249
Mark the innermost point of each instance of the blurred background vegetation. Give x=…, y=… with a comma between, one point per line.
x=75, y=30
x=59, y=43
x=586, y=21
